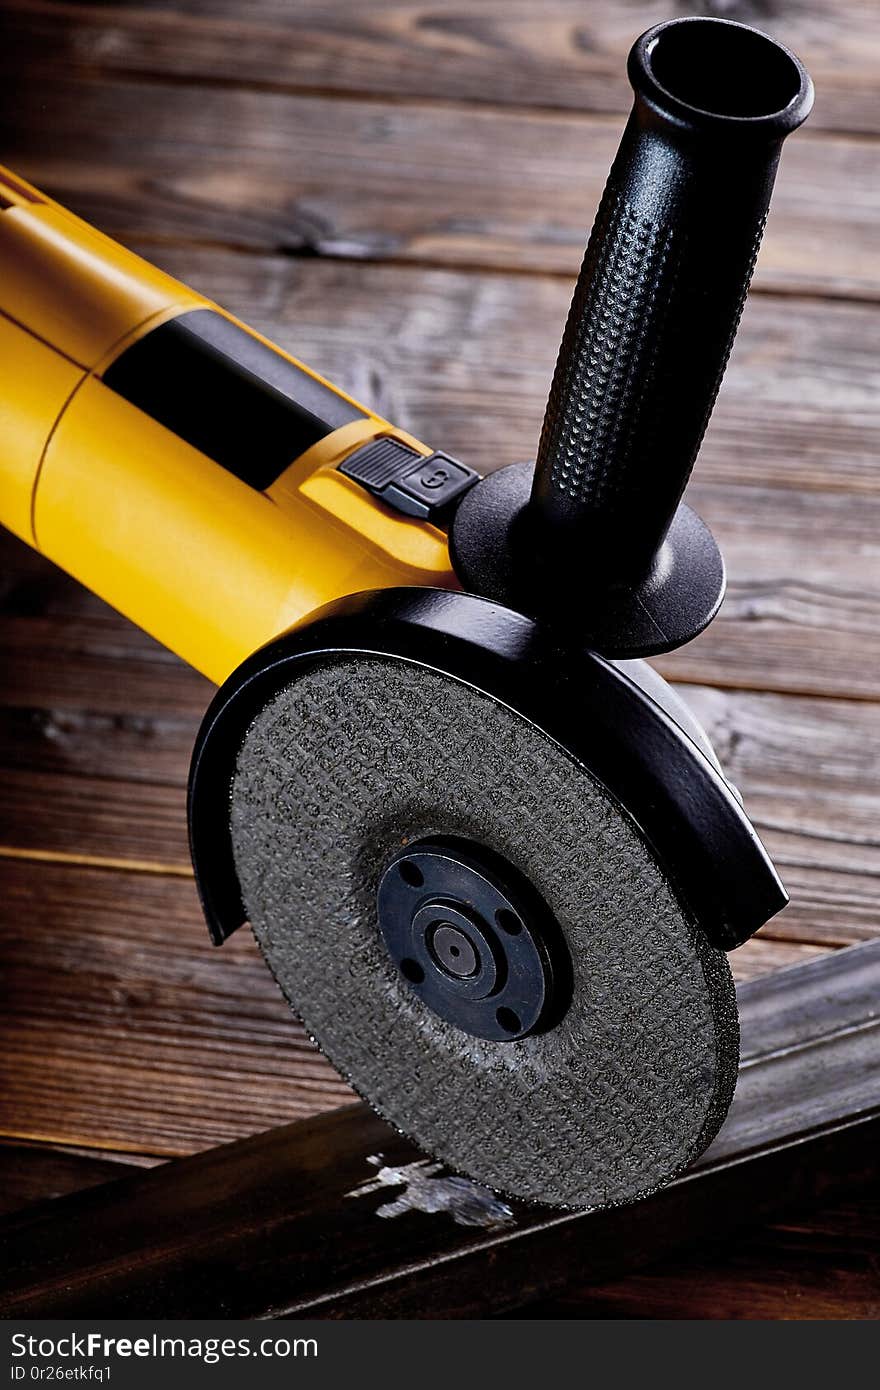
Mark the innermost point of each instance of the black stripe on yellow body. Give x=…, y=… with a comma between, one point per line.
x=228, y=394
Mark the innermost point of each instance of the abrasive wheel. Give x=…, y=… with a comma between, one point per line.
x=469, y=912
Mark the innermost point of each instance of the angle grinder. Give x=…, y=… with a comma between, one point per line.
x=488, y=855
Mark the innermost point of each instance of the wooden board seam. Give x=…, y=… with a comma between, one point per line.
x=162, y=868
x=387, y=96
x=463, y=267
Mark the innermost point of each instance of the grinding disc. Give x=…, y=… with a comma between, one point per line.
x=359, y=756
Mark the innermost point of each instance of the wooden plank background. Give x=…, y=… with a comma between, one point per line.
x=399, y=193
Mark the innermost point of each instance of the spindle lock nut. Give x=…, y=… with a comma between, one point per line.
x=472, y=939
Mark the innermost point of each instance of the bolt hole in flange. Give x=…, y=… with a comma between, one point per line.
x=508, y=922
x=508, y=1020
x=410, y=873
x=474, y=939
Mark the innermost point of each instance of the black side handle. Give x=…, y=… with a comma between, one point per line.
x=662, y=287
x=651, y=325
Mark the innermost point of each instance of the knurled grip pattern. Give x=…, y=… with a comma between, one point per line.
x=645, y=347
x=608, y=359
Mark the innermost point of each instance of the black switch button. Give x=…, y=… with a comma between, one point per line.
x=409, y=482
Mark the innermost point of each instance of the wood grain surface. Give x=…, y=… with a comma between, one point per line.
x=507, y=190
x=399, y=193
x=564, y=54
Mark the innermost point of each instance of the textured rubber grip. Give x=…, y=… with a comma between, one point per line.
x=660, y=294
x=647, y=340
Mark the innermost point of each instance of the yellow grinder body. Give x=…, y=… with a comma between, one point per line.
x=118, y=384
